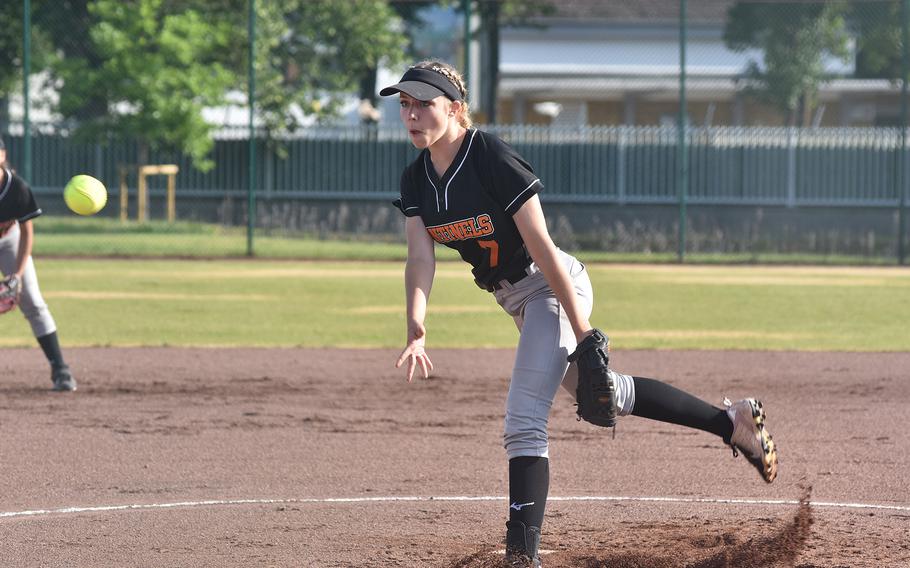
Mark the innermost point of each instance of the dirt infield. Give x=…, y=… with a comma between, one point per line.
x=303, y=457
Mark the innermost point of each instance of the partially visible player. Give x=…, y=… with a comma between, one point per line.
x=472, y=192
x=17, y=209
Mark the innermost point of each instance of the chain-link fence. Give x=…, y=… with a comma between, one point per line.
x=659, y=126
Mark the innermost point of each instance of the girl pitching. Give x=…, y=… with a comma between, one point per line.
x=472, y=192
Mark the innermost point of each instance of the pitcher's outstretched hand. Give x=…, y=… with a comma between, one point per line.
x=414, y=353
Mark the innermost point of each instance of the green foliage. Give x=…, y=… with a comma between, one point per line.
x=312, y=52
x=795, y=38
x=12, y=43
x=156, y=70
x=521, y=11
x=879, y=45
x=145, y=69
x=10, y=47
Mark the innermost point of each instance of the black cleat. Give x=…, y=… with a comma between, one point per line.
x=522, y=544
x=63, y=379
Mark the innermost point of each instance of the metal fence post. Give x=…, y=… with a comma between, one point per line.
x=682, y=149
x=251, y=77
x=26, y=96
x=792, y=139
x=902, y=183
x=466, y=72
x=621, y=165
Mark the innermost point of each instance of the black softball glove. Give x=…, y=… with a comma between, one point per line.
x=595, y=392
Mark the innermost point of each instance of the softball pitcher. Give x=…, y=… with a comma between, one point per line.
x=20, y=285
x=472, y=192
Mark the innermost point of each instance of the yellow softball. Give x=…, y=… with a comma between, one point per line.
x=85, y=195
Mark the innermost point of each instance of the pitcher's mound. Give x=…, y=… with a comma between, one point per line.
x=779, y=548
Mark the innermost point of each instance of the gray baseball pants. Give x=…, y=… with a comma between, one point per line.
x=546, y=340
x=31, y=303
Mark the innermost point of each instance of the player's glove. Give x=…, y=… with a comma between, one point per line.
x=10, y=288
x=595, y=392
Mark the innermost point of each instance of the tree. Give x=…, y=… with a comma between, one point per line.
x=146, y=72
x=879, y=44
x=493, y=15
x=408, y=13
x=10, y=59
x=795, y=39
x=11, y=54
x=313, y=53
x=146, y=69
x=10, y=48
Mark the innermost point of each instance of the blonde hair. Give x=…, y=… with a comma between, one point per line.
x=454, y=77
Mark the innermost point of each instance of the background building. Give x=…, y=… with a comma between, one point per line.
x=612, y=63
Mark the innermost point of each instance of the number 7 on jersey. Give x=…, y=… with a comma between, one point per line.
x=494, y=250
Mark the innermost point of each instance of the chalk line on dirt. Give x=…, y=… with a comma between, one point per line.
x=405, y=499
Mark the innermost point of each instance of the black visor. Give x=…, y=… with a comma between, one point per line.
x=423, y=85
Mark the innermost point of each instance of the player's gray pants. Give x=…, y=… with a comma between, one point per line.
x=540, y=361
x=31, y=303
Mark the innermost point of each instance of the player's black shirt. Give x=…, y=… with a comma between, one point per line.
x=16, y=199
x=470, y=207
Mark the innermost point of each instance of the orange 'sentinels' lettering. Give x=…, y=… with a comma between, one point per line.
x=465, y=229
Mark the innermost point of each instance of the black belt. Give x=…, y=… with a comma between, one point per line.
x=514, y=279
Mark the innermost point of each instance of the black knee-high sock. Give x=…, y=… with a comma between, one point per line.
x=529, y=482
x=51, y=347
x=659, y=401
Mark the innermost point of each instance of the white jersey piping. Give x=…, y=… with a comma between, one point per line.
x=9, y=182
x=522, y=192
x=466, y=152
x=427, y=171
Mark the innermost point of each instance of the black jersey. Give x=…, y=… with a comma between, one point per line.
x=470, y=207
x=17, y=203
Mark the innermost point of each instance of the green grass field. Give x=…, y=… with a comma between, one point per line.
x=360, y=304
